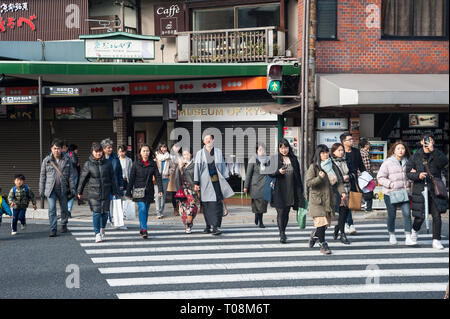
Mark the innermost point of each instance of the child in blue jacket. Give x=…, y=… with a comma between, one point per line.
x=19, y=197
x=4, y=208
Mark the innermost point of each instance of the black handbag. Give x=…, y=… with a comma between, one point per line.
x=438, y=185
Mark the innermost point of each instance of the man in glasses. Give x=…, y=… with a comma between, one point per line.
x=355, y=164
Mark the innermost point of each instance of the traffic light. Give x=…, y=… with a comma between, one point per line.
x=274, y=77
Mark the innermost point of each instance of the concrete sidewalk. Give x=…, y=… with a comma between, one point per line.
x=237, y=215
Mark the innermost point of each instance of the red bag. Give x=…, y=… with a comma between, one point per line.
x=180, y=193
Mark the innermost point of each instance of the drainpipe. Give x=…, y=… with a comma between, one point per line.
x=311, y=77
x=304, y=88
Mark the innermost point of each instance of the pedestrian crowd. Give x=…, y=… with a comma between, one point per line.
x=200, y=183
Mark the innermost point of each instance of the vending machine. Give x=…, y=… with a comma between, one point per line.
x=292, y=134
x=378, y=153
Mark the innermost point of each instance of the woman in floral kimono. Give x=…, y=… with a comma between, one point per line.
x=184, y=179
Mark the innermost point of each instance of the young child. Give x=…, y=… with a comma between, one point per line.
x=4, y=207
x=19, y=198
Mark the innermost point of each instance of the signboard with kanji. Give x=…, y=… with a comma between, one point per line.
x=17, y=100
x=169, y=19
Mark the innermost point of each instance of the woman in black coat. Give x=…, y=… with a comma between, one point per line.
x=417, y=172
x=143, y=171
x=100, y=174
x=288, y=192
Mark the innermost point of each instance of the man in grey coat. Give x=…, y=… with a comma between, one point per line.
x=210, y=174
x=57, y=180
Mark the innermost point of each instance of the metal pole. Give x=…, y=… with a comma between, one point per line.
x=305, y=94
x=41, y=150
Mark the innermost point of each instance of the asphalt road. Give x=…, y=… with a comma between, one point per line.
x=35, y=266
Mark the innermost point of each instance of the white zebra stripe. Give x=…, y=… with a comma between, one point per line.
x=274, y=264
x=286, y=291
x=337, y=274
x=234, y=247
x=273, y=254
x=193, y=240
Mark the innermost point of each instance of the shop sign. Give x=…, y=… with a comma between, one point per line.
x=10, y=23
x=61, y=91
x=329, y=138
x=423, y=120
x=21, y=112
x=23, y=99
x=118, y=107
x=244, y=112
x=332, y=124
x=73, y=113
x=119, y=49
x=169, y=19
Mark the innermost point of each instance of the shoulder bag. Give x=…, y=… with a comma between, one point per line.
x=139, y=193
x=438, y=185
x=69, y=193
x=399, y=196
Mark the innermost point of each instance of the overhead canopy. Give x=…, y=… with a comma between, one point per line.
x=103, y=72
x=382, y=89
x=280, y=109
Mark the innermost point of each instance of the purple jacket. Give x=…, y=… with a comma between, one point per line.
x=392, y=176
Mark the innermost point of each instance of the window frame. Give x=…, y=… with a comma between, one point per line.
x=235, y=8
x=318, y=38
x=411, y=22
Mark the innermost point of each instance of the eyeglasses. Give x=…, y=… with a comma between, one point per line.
x=349, y=139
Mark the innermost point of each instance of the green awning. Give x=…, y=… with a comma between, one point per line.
x=102, y=72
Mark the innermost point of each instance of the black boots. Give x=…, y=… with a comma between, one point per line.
x=283, y=238
x=312, y=239
x=336, y=232
x=341, y=235
x=259, y=220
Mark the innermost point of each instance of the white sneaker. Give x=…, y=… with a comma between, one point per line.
x=437, y=244
x=414, y=235
x=13, y=233
x=409, y=241
x=188, y=230
x=352, y=230
x=346, y=229
x=392, y=239
x=98, y=238
x=102, y=233
x=160, y=216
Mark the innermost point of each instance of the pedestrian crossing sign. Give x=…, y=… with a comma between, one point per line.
x=274, y=87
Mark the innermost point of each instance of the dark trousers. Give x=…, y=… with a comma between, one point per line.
x=213, y=213
x=18, y=215
x=283, y=218
x=343, y=214
x=437, y=222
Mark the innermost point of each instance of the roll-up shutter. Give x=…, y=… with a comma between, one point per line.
x=19, y=145
x=83, y=133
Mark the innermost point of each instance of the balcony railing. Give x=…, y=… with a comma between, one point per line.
x=231, y=45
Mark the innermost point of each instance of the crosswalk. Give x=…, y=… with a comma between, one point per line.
x=249, y=262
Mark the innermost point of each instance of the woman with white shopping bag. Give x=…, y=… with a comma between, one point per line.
x=99, y=173
x=396, y=190
x=140, y=185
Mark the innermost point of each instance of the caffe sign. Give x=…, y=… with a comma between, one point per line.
x=169, y=19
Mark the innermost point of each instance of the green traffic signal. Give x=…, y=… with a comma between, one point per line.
x=274, y=86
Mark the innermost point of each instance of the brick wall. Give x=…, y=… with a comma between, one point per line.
x=360, y=49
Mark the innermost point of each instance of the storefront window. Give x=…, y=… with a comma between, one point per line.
x=258, y=16
x=237, y=17
x=213, y=19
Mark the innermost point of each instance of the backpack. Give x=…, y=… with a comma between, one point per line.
x=27, y=191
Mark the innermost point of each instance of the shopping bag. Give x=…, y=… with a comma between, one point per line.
x=117, y=212
x=301, y=216
x=129, y=210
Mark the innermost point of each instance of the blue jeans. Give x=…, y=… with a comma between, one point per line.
x=62, y=198
x=349, y=218
x=392, y=212
x=18, y=214
x=143, y=215
x=99, y=220
x=70, y=203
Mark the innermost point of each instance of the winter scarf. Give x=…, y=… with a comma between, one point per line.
x=327, y=166
x=161, y=158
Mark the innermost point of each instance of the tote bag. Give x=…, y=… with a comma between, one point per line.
x=117, y=212
x=129, y=210
x=355, y=199
x=268, y=188
x=301, y=216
